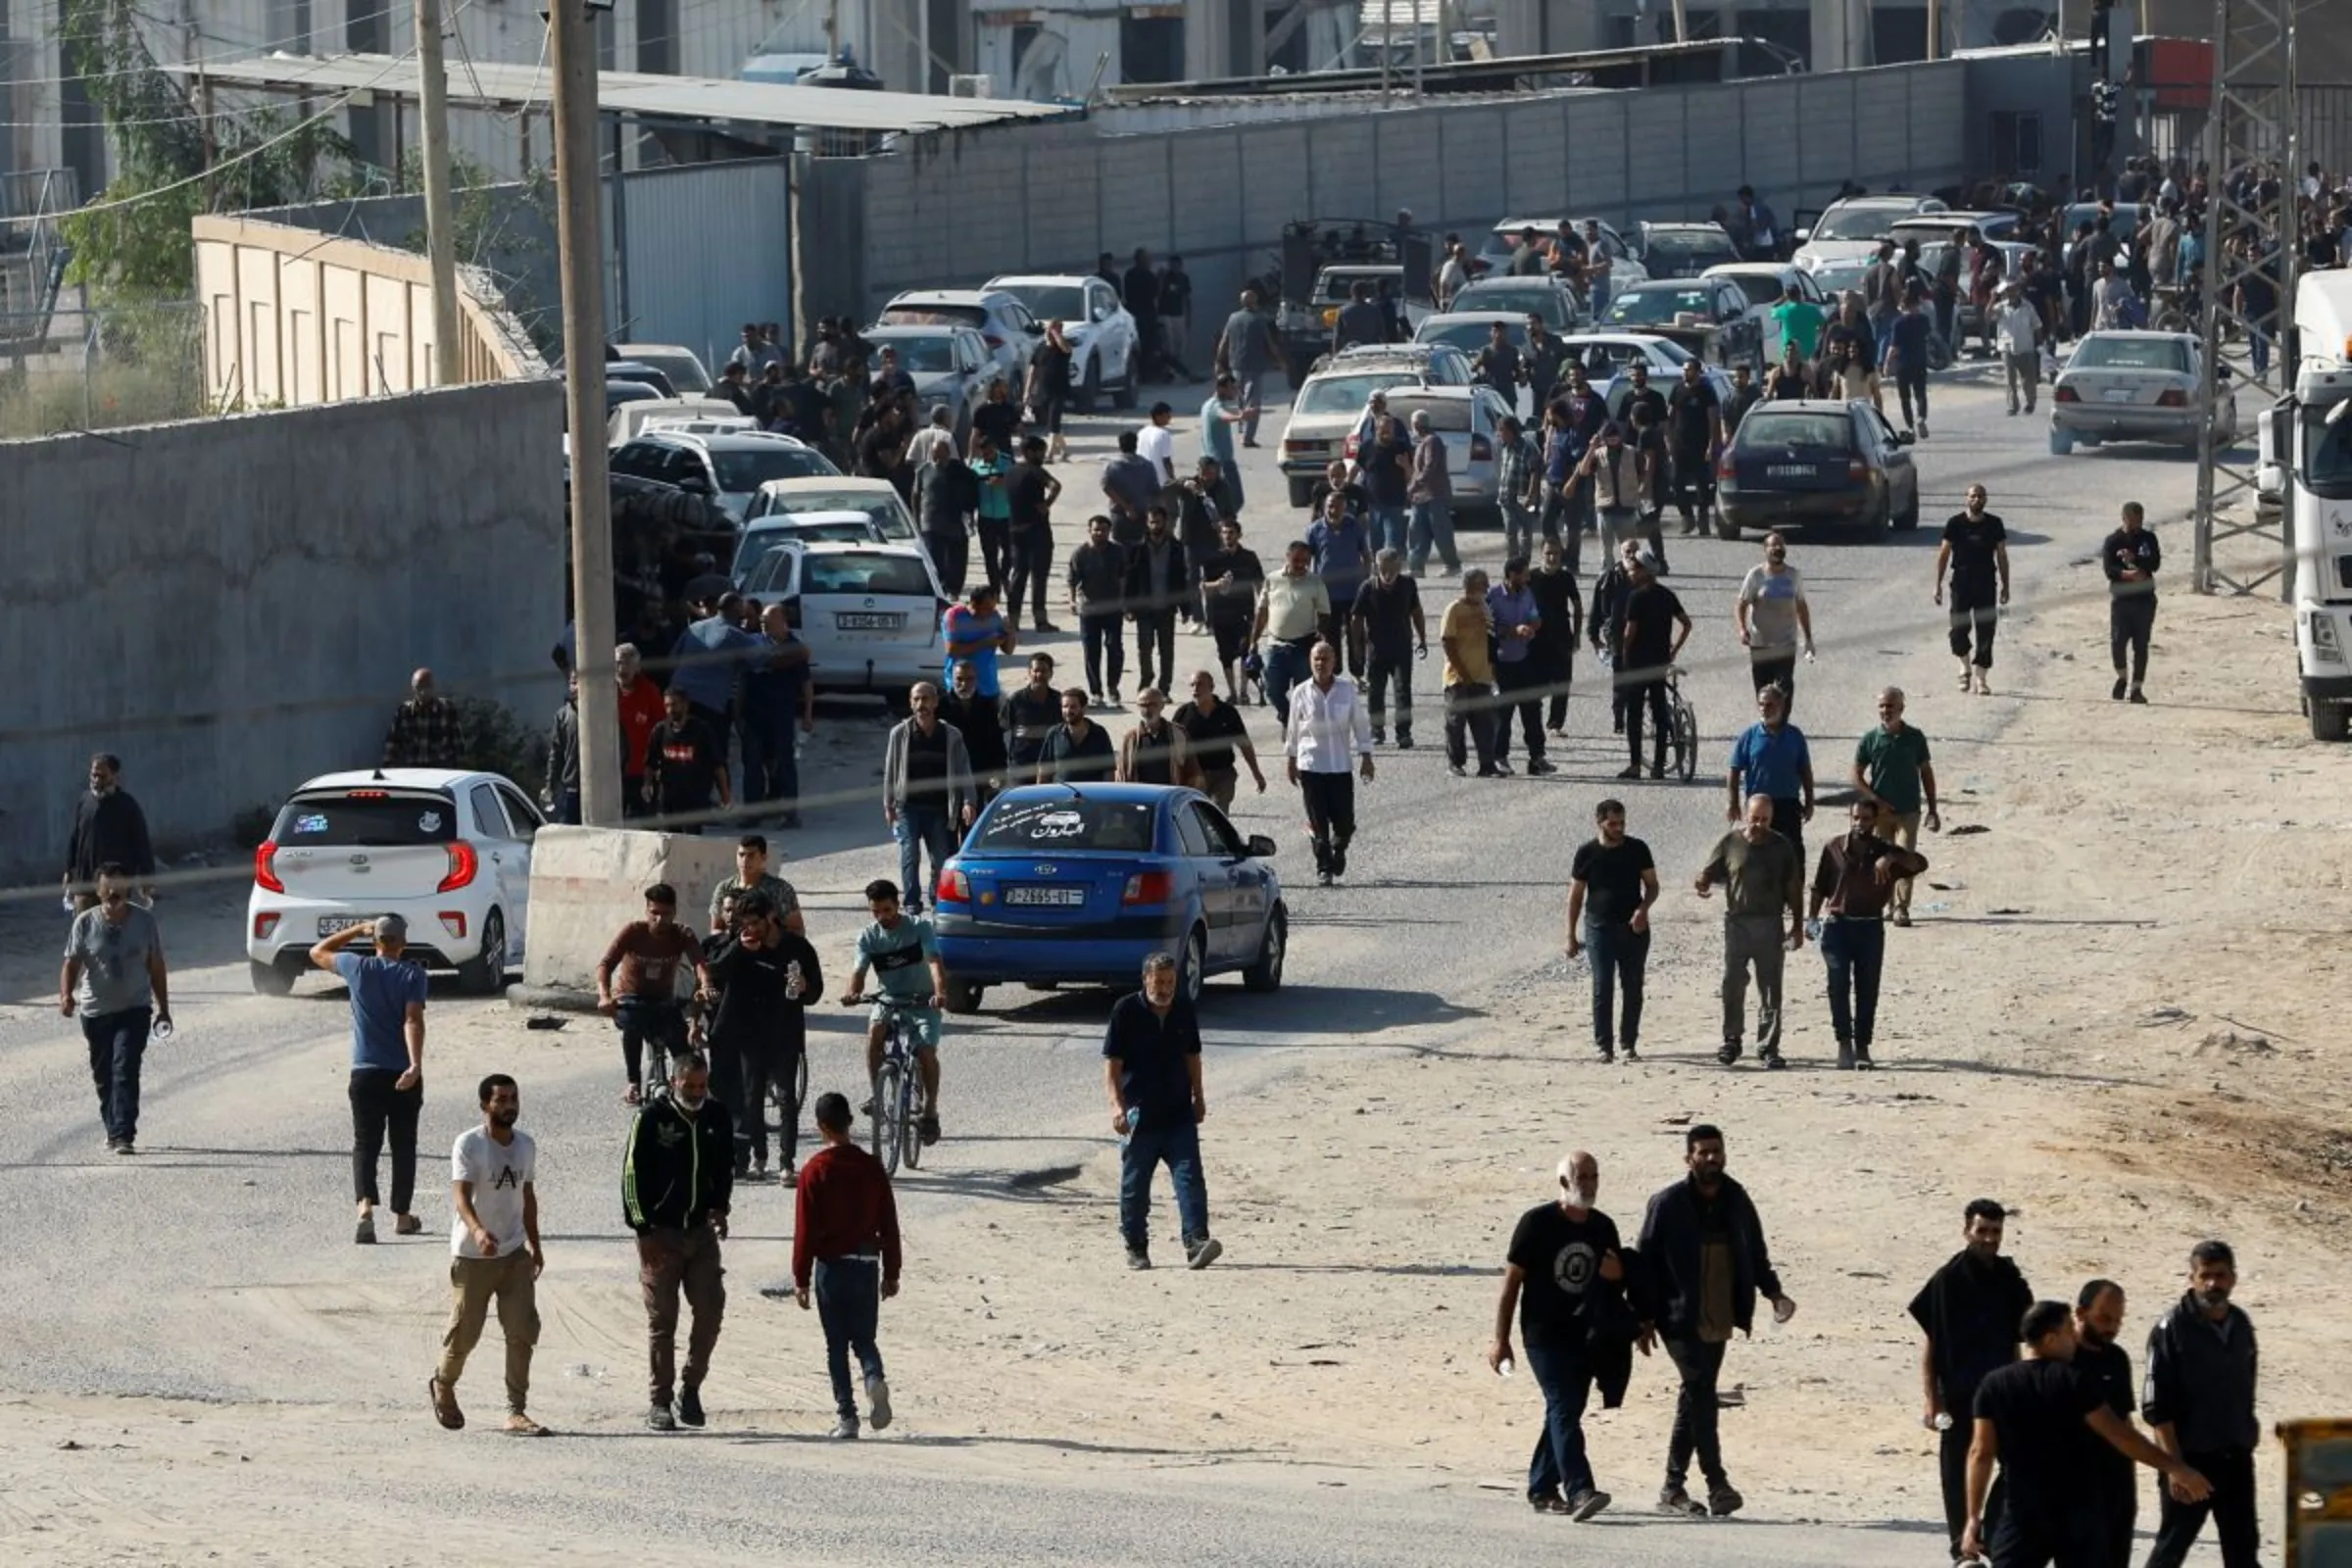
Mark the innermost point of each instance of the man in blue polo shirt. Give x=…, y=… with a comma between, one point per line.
x=1770, y=759
x=710, y=654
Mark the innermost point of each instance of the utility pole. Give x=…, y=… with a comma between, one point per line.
x=440, y=238
x=580, y=243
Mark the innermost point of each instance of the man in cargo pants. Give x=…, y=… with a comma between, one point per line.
x=1763, y=879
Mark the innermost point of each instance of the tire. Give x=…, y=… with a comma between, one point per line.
x=1302, y=493
x=887, y=1136
x=1265, y=974
x=485, y=974
x=272, y=979
x=1129, y=393
x=1907, y=519
x=1684, y=724
x=1725, y=527
x=2329, y=721
x=2062, y=442
x=962, y=996
x=1191, y=966
x=1089, y=391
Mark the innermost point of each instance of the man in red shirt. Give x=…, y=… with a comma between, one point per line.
x=640, y=712
x=845, y=1249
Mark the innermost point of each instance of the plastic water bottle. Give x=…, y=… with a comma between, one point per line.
x=1813, y=931
x=791, y=979
x=1508, y=1367
x=1943, y=1420
x=1135, y=1119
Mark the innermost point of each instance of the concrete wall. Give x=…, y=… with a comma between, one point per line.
x=233, y=604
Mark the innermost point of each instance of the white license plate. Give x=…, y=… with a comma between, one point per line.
x=864, y=620
x=2118, y=394
x=1052, y=897
x=1786, y=470
x=329, y=924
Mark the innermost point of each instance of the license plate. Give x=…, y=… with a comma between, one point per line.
x=329, y=924
x=864, y=620
x=2118, y=394
x=1789, y=470
x=1049, y=898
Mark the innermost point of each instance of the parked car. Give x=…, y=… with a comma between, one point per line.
x=1816, y=463
x=1502, y=243
x=1465, y=418
x=2122, y=223
x=783, y=503
x=1548, y=297
x=951, y=367
x=1335, y=286
x=1331, y=401
x=1683, y=250
x=1709, y=317
x=1104, y=347
x=1055, y=885
x=632, y=418
x=449, y=851
x=1850, y=230
x=638, y=371
x=1764, y=284
x=2136, y=386
x=868, y=612
x=680, y=364
x=1606, y=356
x=1003, y=321
x=729, y=468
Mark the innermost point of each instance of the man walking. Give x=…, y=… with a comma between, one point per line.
x=1158, y=584
x=1651, y=628
x=1771, y=758
x=1343, y=549
x=1152, y=1073
x=2199, y=1399
x=1213, y=736
x=108, y=829
x=2132, y=557
x=1704, y=1247
x=387, y=1063
x=684, y=758
x=2016, y=328
x=1975, y=550
x=1155, y=752
x=1290, y=615
x=115, y=977
x=1026, y=717
x=676, y=1181
x=1561, y=609
x=1566, y=1276
x=1763, y=876
x=1771, y=615
x=1430, y=490
x=926, y=789
x=2098, y=1324
x=1247, y=351
x=1854, y=881
x=1970, y=1312
x=1518, y=620
x=1467, y=636
x=846, y=1257
x=1611, y=885
x=637, y=985
x=494, y=1254
x=976, y=718
x=1077, y=750
x=763, y=979
x=1387, y=610
x=1891, y=767
x=1098, y=582
x=1326, y=729
x=1905, y=358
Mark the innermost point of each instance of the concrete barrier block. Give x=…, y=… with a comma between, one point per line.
x=586, y=882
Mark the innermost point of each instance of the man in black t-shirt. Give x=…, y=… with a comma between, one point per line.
x=1031, y=494
x=1230, y=577
x=1611, y=885
x=1563, y=1273
x=1151, y=1071
x=1652, y=632
x=977, y=721
x=1695, y=434
x=1970, y=1310
x=682, y=761
x=1388, y=608
x=2098, y=1322
x=1027, y=715
x=2042, y=1420
x=1213, y=733
x=1975, y=550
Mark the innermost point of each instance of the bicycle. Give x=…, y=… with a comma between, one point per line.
x=898, y=1095
x=1682, y=726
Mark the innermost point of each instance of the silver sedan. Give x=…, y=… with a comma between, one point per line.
x=2136, y=387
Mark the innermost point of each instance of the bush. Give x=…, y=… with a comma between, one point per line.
x=496, y=741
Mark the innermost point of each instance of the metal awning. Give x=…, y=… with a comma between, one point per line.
x=708, y=100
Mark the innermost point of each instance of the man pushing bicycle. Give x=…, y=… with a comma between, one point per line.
x=903, y=955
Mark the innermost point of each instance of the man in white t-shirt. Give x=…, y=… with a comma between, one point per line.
x=1156, y=444
x=1772, y=614
x=495, y=1254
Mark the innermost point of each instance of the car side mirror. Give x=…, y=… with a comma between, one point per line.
x=1803, y=235
x=1261, y=846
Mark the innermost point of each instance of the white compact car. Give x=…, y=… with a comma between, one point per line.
x=1104, y=341
x=868, y=612
x=449, y=852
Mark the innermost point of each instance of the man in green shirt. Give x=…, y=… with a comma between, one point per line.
x=1763, y=879
x=1891, y=767
x=1798, y=321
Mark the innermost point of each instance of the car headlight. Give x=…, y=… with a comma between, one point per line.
x=2325, y=645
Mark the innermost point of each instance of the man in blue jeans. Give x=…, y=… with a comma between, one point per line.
x=1151, y=1071
x=1856, y=881
x=1564, y=1272
x=927, y=794
x=115, y=977
x=1611, y=885
x=845, y=1259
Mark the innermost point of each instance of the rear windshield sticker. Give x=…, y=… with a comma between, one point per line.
x=310, y=824
x=429, y=822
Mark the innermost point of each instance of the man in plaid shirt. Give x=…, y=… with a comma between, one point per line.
x=424, y=729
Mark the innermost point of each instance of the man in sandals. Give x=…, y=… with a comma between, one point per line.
x=495, y=1254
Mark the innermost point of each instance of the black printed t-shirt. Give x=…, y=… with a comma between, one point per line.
x=1561, y=1259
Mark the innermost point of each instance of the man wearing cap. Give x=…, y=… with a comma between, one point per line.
x=387, y=1063
x=2018, y=329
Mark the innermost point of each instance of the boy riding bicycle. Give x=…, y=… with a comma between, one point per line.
x=903, y=956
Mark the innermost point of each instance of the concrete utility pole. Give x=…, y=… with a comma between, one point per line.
x=440, y=238
x=580, y=240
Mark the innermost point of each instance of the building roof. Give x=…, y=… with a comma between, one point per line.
x=703, y=99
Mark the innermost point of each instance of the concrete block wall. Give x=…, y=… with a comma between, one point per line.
x=234, y=605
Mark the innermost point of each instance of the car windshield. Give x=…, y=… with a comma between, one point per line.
x=1049, y=302
x=2098, y=353
x=1852, y=221
x=1762, y=289
x=364, y=819
x=1840, y=277
x=1601, y=358
x=743, y=472
x=2328, y=450
x=1828, y=433
x=1651, y=304
x=1336, y=288
x=884, y=508
x=1687, y=255
x=1445, y=414
x=971, y=316
x=1343, y=394
x=2124, y=219
x=618, y=392
x=1468, y=336
x=684, y=370
x=1060, y=823
x=1518, y=297
x=923, y=356
x=865, y=572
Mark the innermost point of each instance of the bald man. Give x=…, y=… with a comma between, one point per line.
x=424, y=730
x=1763, y=879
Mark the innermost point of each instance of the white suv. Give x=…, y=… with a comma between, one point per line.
x=449, y=852
x=1103, y=345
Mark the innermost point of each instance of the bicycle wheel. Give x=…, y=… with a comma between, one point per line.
x=911, y=1135
x=1686, y=740
x=889, y=1113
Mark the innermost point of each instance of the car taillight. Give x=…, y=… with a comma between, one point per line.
x=993, y=341
x=1148, y=887
x=264, y=868
x=1482, y=450
x=953, y=888
x=2066, y=394
x=1725, y=467
x=463, y=864
x=2175, y=399
x=1290, y=448
x=1349, y=450
x=1856, y=469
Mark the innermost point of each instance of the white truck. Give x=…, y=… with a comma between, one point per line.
x=2310, y=433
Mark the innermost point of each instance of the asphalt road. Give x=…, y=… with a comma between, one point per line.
x=218, y=1265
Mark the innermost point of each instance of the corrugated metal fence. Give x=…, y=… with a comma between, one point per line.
x=700, y=251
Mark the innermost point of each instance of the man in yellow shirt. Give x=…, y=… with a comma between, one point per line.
x=1470, y=681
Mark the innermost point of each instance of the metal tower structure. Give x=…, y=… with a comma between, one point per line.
x=2253, y=245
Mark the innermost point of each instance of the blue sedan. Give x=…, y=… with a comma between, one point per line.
x=1061, y=882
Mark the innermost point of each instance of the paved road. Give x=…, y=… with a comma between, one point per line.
x=217, y=1268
